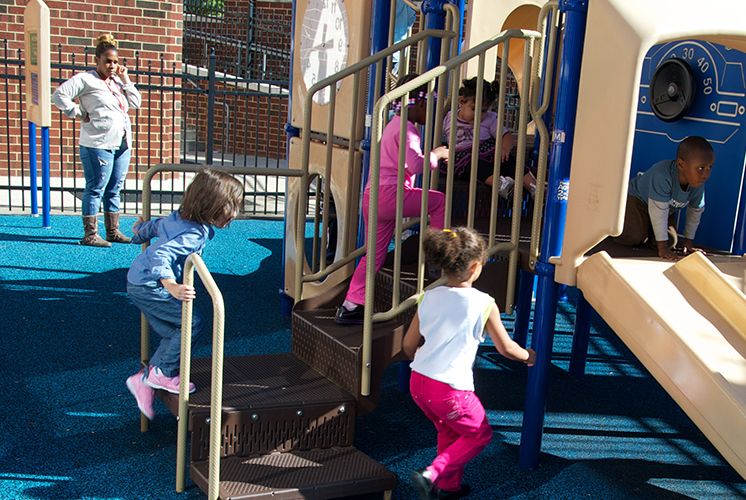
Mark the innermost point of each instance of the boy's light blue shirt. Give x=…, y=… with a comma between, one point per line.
x=661, y=183
x=164, y=258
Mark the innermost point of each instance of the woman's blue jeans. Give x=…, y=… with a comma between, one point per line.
x=105, y=172
x=163, y=313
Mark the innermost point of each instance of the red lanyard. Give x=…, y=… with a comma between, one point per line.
x=119, y=97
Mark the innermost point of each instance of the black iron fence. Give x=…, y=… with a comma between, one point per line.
x=189, y=114
x=248, y=40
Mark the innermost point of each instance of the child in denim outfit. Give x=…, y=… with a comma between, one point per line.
x=153, y=282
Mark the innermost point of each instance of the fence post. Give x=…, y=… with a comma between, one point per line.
x=210, y=108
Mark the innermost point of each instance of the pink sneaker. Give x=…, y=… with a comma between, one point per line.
x=157, y=380
x=144, y=395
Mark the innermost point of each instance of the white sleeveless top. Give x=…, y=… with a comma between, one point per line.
x=452, y=321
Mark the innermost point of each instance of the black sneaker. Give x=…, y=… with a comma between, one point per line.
x=423, y=484
x=346, y=316
x=453, y=495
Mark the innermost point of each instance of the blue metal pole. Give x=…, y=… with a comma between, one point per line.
x=575, y=12
x=33, y=171
x=46, y=222
x=436, y=20
x=581, y=337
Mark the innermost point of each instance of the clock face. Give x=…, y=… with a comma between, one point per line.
x=324, y=43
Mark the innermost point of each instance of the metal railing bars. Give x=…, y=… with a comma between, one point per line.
x=379, y=119
x=331, y=81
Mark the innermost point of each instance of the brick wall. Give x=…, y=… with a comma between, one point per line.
x=147, y=32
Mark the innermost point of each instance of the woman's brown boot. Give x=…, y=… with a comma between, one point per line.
x=113, y=234
x=91, y=238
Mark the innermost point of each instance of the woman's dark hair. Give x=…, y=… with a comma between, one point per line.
x=104, y=44
x=211, y=197
x=490, y=90
x=454, y=250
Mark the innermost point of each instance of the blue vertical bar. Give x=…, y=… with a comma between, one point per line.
x=436, y=20
x=581, y=337
x=46, y=222
x=33, y=170
x=575, y=12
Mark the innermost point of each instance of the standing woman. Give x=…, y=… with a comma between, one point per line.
x=105, y=95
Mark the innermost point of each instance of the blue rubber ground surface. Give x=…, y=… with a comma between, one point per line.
x=70, y=430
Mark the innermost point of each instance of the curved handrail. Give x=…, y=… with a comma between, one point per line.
x=331, y=81
x=194, y=261
x=548, y=20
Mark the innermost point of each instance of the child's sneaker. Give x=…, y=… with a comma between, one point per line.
x=144, y=395
x=505, y=190
x=157, y=380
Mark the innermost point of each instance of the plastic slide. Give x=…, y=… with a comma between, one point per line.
x=686, y=322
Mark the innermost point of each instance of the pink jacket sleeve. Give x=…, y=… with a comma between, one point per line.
x=414, y=156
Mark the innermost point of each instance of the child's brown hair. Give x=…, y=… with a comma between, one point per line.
x=455, y=250
x=212, y=197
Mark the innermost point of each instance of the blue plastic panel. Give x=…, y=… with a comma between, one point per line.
x=717, y=114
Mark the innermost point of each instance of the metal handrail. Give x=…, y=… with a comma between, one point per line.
x=355, y=71
x=193, y=262
x=379, y=119
x=548, y=20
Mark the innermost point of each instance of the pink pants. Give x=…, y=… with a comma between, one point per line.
x=463, y=428
x=387, y=224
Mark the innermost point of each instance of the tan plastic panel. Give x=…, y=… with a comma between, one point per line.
x=698, y=358
x=358, y=19
x=619, y=34
x=487, y=18
x=720, y=293
x=346, y=207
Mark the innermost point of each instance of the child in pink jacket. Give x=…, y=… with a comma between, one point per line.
x=351, y=311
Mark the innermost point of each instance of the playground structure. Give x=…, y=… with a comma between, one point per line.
x=684, y=321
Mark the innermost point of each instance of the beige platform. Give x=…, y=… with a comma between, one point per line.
x=684, y=322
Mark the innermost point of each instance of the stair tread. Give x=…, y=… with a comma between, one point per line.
x=260, y=381
x=350, y=336
x=316, y=474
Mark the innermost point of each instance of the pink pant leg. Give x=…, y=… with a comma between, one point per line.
x=385, y=230
x=386, y=225
x=462, y=425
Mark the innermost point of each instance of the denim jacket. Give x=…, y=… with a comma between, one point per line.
x=165, y=258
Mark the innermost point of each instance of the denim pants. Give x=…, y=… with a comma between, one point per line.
x=462, y=425
x=163, y=313
x=105, y=172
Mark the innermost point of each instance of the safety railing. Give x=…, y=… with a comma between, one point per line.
x=357, y=72
x=548, y=25
x=193, y=262
x=450, y=68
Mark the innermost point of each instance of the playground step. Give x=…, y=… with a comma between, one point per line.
x=335, y=351
x=271, y=403
x=303, y=475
